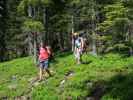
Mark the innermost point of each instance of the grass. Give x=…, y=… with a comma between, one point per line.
x=113, y=72
x=14, y=76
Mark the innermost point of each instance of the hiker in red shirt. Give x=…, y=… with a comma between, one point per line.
x=44, y=54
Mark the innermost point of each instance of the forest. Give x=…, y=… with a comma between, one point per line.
x=106, y=25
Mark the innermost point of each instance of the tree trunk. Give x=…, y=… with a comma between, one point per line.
x=29, y=11
x=30, y=44
x=35, y=48
x=130, y=38
x=131, y=51
x=72, y=33
x=45, y=21
x=94, y=51
x=34, y=12
x=61, y=43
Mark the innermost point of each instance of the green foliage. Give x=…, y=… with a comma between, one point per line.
x=115, y=11
x=21, y=7
x=15, y=74
x=102, y=68
x=32, y=2
x=46, y=2
x=57, y=18
x=128, y=3
x=112, y=13
x=32, y=26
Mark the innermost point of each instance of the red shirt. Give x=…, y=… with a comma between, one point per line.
x=43, y=54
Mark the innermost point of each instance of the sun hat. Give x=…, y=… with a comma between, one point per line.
x=75, y=34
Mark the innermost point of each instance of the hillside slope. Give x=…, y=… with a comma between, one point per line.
x=107, y=77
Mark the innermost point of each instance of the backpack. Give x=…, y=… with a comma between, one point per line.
x=78, y=43
x=51, y=56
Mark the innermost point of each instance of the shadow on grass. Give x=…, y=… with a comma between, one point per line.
x=86, y=62
x=121, y=87
x=53, y=60
x=59, y=55
x=123, y=54
x=63, y=54
x=118, y=87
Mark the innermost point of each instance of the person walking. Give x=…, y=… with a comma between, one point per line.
x=78, y=48
x=44, y=54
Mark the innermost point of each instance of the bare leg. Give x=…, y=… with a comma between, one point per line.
x=43, y=72
x=79, y=62
x=79, y=56
x=40, y=74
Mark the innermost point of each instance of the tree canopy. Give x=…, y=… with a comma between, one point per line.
x=106, y=24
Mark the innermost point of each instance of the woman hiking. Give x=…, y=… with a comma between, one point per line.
x=44, y=54
x=78, y=48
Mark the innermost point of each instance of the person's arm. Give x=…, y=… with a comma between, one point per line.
x=48, y=50
x=82, y=43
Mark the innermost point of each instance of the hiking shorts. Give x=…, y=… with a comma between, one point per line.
x=44, y=64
